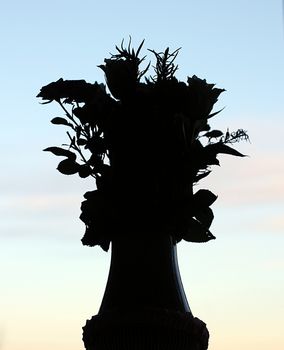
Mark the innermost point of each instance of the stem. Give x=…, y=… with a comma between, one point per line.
x=78, y=149
x=68, y=115
x=84, y=133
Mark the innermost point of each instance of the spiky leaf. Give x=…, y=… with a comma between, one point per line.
x=215, y=113
x=220, y=147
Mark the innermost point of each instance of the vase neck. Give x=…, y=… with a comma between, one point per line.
x=144, y=273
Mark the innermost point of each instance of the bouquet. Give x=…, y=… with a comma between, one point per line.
x=147, y=142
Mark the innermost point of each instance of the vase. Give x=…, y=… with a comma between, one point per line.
x=144, y=305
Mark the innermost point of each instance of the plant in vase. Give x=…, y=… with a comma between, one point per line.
x=146, y=141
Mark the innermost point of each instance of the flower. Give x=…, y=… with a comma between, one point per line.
x=70, y=90
x=121, y=76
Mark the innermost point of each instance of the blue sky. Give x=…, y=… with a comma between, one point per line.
x=52, y=284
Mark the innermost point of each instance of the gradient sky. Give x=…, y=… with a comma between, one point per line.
x=50, y=283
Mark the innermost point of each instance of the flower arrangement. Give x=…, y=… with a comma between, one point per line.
x=146, y=144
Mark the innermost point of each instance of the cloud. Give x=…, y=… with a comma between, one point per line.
x=43, y=214
x=38, y=203
x=269, y=223
x=256, y=180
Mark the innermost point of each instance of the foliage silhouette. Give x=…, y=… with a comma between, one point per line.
x=146, y=144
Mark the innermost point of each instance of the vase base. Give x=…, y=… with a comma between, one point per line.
x=145, y=330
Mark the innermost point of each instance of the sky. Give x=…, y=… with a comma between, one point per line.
x=50, y=283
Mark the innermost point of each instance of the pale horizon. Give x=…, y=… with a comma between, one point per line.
x=51, y=283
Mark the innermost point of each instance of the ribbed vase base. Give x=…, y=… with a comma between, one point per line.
x=145, y=330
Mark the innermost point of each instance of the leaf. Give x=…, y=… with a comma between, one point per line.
x=84, y=171
x=81, y=142
x=78, y=131
x=205, y=216
x=92, y=238
x=95, y=215
x=139, y=48
x=60, y=121
x=197, y=233
x=219, y=147
x=90, y=194
x=203, y=199
x=68, y=167
x=214, y=133
x=44, y=103
x=202, y=175
x=58, y=151
x=215, y=113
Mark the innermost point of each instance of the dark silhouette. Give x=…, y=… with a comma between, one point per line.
x=146, y=144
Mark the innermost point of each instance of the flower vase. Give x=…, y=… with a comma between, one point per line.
x=144, y=306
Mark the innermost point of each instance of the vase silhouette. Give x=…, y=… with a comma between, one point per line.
x=144, y=305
